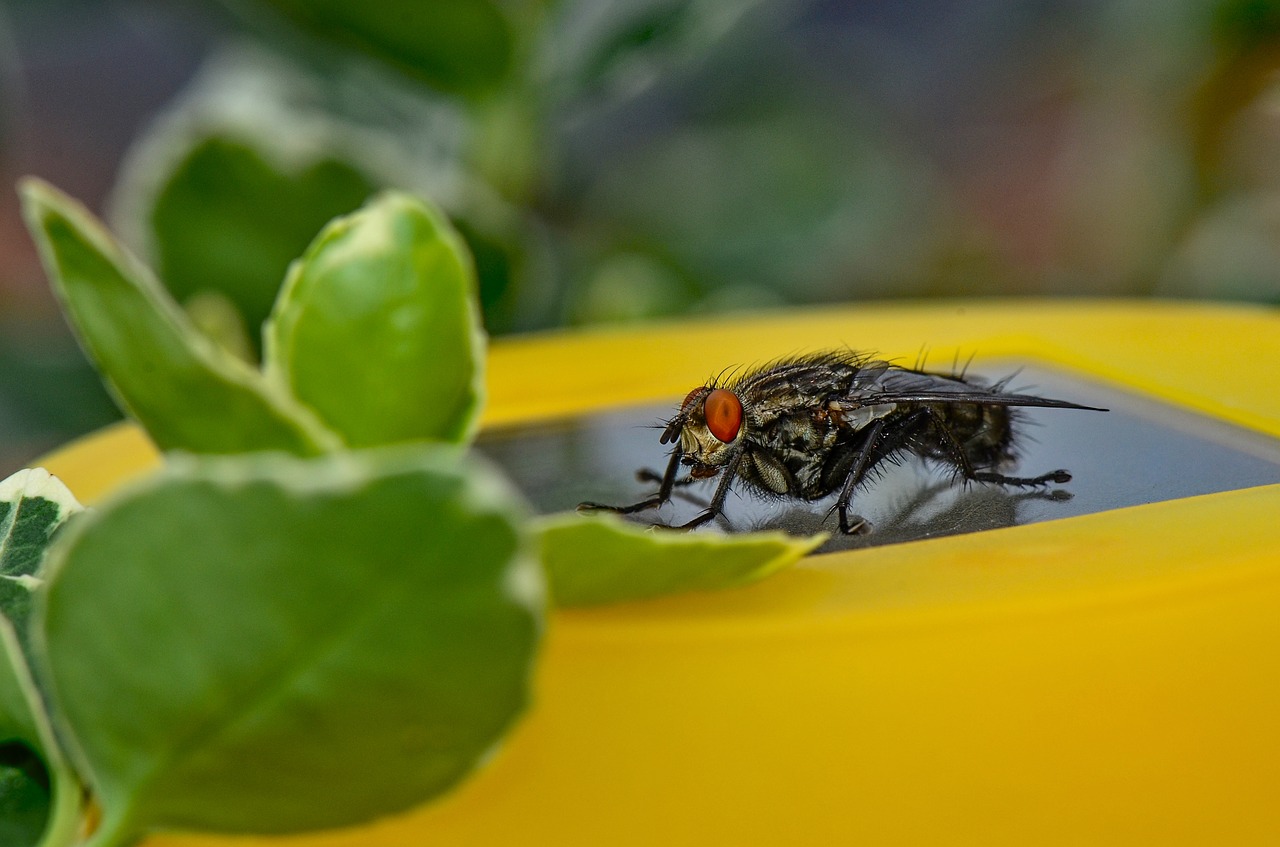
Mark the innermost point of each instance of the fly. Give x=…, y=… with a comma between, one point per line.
x=807, y=427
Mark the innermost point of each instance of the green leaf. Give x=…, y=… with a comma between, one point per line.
x=24, y=796
x=25, y=790
x=39, y=796
x=603, y=559
x=377, y=327
x=276, y=644
x=461, y=46
x=187, y=392
x=33, y=504
x=228, y=220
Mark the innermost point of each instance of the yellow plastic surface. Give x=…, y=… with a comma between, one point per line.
x=1110, y=678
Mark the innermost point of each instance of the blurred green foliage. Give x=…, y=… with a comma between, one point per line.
x=625, y=159
x=462, y=46
x=613, y=161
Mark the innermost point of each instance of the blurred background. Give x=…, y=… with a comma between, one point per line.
x=624, y=160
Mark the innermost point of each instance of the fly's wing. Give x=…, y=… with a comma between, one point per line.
x=893, y=385
x=871, y=376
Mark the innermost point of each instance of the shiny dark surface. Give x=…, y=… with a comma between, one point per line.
x=1142, y=451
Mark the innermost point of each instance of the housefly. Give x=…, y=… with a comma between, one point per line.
x=807, y=427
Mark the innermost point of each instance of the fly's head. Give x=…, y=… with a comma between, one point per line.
x=709, y=427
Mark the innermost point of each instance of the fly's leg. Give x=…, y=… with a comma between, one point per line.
x=722, y=492
x=856, y=473
x=1057, y=476
x=966, y=467
x=881, y=441
x=650, y=475
x=663, y=494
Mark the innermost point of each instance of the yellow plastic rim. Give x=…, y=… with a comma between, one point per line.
x=1099, y=679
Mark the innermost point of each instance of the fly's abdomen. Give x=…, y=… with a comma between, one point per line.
x=983, y=433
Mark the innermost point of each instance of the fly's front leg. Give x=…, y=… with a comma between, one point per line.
x=669, y=482
x=649, y=475
x=722, y=491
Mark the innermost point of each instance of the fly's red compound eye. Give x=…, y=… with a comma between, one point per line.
x=723, y=411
